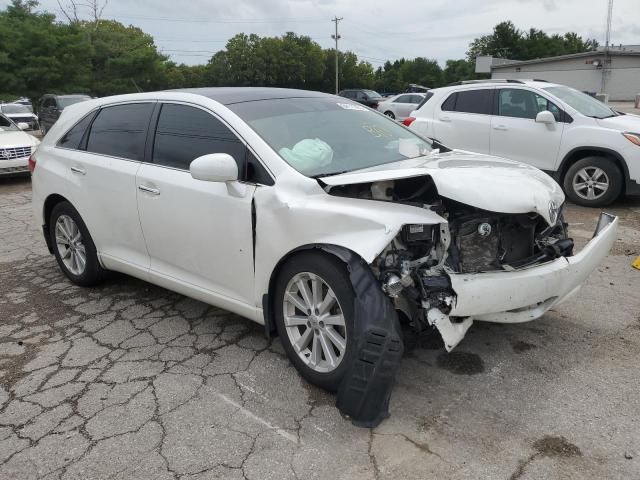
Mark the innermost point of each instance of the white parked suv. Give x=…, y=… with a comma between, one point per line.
x=590, y=149
x=308, y=213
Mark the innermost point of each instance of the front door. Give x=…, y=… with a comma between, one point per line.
x=198, y=234
x=516, y=135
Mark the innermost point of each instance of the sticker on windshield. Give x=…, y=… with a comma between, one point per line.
x=351, y=106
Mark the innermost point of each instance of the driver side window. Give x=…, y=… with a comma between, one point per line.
x=520, y=103
x=185, y=133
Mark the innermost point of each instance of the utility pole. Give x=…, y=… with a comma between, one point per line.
x=336, y=37
x=606, y=68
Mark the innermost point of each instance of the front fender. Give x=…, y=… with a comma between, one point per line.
x=286, y=221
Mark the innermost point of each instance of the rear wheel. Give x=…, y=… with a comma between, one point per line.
x=73, y=246
x=314, y=317
x=593, y=182
x=390, y=114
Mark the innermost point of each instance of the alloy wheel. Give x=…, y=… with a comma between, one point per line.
x=591, y=183
x=315, y=322
x=70, y=245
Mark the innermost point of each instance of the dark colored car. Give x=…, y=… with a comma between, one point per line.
x=415, y=88
x=51, y=106
x=370, y=98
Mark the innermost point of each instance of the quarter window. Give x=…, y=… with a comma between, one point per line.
x=120, y=131
x=449, y=104
x=73, y=137
x=185, y=133
x=403, y=99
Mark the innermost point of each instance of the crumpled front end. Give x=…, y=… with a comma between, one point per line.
x=499, y=252
x=486, y=266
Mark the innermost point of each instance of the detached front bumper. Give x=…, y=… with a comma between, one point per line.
x=526, y=294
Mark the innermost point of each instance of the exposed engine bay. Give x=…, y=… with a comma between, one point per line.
x=414, y=268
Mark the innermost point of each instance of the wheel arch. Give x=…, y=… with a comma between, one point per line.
x=49, y=204
x=579, y=153
x=342, y=253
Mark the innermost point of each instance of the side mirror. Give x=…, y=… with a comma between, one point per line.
x=215, y=167
x=545, y=116
x=23, y=126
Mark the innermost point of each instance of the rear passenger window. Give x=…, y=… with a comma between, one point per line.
x=185, y=133
x=474, y=101
x=120, y=131
x=73, y=137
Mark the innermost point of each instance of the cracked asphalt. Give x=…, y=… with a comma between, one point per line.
x=131, y=381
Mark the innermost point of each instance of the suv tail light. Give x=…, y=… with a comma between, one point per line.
x=408, y=121
x=32, y=164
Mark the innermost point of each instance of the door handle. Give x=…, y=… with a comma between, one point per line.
x=151, y=190
x=501, y=128
x=78, y=170
x=445, y=119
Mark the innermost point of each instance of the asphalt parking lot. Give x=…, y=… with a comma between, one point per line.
x=131, y=381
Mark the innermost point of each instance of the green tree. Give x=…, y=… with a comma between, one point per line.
x=457, y=70
x=507, y=41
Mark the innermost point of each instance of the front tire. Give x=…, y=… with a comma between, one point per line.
x=73, y=246
x=314, y=317
x=390, y=114
x=593, y=182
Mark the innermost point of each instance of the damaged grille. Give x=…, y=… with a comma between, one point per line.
x=482, y=242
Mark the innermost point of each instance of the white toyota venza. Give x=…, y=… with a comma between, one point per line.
x=307, y=213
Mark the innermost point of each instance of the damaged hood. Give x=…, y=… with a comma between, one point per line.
x=482, y=181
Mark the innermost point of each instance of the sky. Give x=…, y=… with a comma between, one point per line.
x=191, y=31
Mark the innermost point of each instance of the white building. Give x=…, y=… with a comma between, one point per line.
x=615, y=71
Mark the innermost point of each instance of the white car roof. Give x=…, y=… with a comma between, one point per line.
x=497, y=83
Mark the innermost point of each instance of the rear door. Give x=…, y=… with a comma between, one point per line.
x=403, y=105
x=198, y=233
x=103, y=183
x=516, y=135
x=463, y=120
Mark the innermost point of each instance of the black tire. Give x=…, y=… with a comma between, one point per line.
x=334, y=273
x=612, y=172
x=390, y=114
x=93, y=272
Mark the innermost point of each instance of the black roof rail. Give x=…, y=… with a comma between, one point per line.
x=489, y=80
x=540, y=80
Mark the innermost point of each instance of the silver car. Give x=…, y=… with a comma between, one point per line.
x=400, y=106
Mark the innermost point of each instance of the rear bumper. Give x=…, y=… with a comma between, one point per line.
x=523, y=295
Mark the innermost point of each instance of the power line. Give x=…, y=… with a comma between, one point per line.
x=225, y=21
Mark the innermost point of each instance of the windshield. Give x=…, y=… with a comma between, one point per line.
x=7, y=125
x=15, y=108
x=325, y=136
x=66, y=101
x=582, y=102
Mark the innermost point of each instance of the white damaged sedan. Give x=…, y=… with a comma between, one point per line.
x=308, y=213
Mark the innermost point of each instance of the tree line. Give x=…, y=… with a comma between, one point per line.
x=39, y=54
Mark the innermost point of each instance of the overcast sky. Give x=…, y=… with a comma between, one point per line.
x=190, y=31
